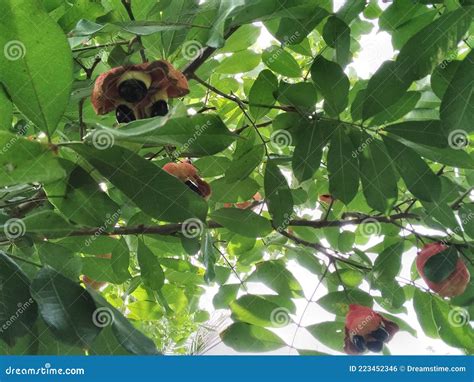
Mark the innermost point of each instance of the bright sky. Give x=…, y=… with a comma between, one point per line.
x=376, y=48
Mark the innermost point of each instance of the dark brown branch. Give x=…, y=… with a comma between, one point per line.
x=128, y=7
x=237, y=100
x=171, y=229
x=205, y=54
x=325, y=251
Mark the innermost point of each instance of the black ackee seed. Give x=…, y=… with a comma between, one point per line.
x=380, y=334
x=193, y=187
x=132, y=90
x=359, y=343
x=124, y=114
x=375, y=346
x=159, y=109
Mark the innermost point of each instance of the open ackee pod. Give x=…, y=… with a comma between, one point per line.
x=366, y=330
x=138, y=91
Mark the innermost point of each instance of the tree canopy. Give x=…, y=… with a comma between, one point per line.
x=223, y=164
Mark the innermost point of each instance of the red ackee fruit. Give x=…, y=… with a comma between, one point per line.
x=94, y=283
x=455, y=284
x=326, y=198
x=366, y=330
x=188, y=174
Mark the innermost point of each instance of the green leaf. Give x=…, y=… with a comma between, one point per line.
x=250, y=338
x=275, y=275
x=198, y=135
x=442, y=76
x=440, y=266
x=209, y=256
x=6, y=110
x=242, y=39
x=330, y=334
x=427, y=48
x=337, y=35
x=150, y=269
x=332, y=83
x=301, y=95
x=278, y=196
x=43, y=224
x=417, y=175
x=226, y=7
x=397, y=110
x=289, y=31
x=385, y=87
x=256, y=310
x=308, y=151
x=453, y=325
x=80, y=199
x=20, y=155
x=262, y=93
x=152, y=189
x=351, y=9
x=243, y=222
x=226, y=294
x=62, y=259
x=140, y=28
x=16, y=301
x=242, y=166
x=45, y=83
x=378, y=178
x=448, y=156
x=457, y=106
x=239, y=62
x=466, y=214
x=388, y=263
x=240, y=191
x=125, y=333
x=177, y=12
x=338, y=302
x=280, y=61
x=67, y=309
x=342, y=166
x=422, y=303
x=424, y=132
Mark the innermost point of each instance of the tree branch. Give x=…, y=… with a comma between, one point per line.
x=128, y=7
x=171, y=229
x=205, y=54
